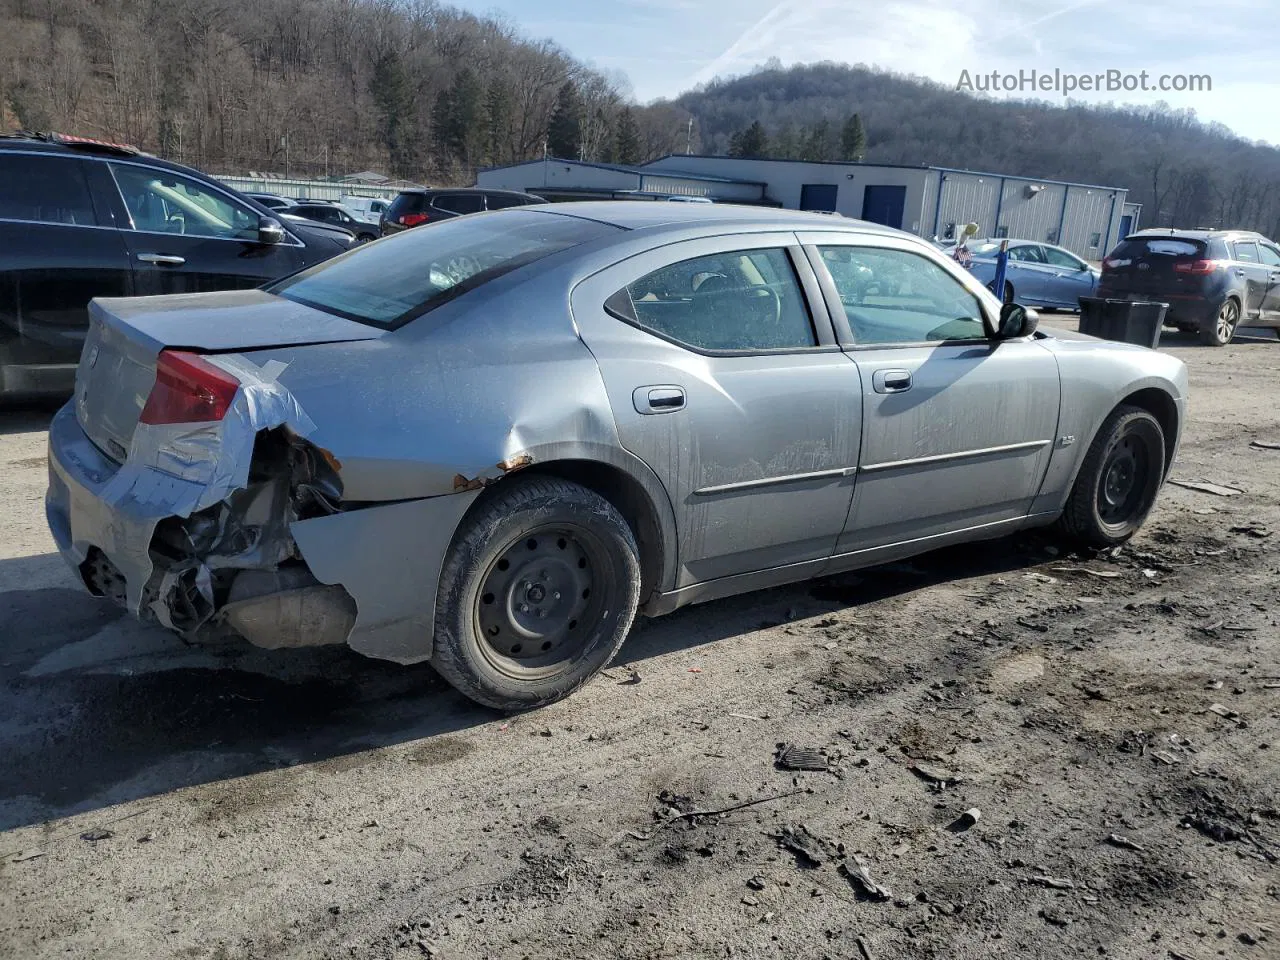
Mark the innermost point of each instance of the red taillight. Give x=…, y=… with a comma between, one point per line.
x=1197, y=268
x=413, y=219
x=188, y=389
x=1109, y=264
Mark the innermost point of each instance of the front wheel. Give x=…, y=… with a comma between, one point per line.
x=1219, y=331
x=1119, y=480
x=537, y=594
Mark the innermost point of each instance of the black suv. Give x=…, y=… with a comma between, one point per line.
x=1213, y=280
x=415, y=207
x=82, y=219
x=324, y=212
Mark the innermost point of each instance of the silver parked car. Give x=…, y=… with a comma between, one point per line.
x=490, y=442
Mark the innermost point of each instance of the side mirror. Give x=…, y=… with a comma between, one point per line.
x=270, y=232
x=1015, y=321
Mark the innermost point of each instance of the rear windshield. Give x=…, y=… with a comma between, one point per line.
x=1157, y=247
x=407, y=203
x=401, y=277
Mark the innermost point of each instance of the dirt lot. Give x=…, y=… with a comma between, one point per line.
x=1116, y=720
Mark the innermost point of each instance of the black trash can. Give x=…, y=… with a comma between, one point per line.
x=1128, y=321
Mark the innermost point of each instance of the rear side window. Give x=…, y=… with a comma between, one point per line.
x=498, y=201
x=45, y=190
x=1246, y=251
x=459, y=202
x=745, y=300
x=1060, y=258
x=388, y=284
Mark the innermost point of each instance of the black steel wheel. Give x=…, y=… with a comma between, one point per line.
x=1118, y=481
x=1219, y=331
x=538, y=592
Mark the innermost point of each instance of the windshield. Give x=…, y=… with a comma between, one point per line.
x=984, y=248
x=402, y=277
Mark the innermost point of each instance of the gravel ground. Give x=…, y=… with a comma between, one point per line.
x=1115, y=720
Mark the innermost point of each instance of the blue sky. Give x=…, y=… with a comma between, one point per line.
x=666, y=46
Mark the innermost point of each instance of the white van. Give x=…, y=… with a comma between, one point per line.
x=368, y=209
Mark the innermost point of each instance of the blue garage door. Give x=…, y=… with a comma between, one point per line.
x=884, y=204
x=1126, y=226
x=818, y=196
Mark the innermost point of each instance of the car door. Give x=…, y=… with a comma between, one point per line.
x=734, y=393
x=1028, y=273
x=1070, y=278
x=57, y=252
x=1256, y=276
x=957, y=430
x=186, y=236
x=1270, y=257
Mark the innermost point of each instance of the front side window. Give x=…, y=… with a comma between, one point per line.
x=499, y=201
x=1060, y=258
x=44, y=190
x=1270, y=256
x=894, y=296
x=744, y=300
x=162, y=202
x=389, y=284
x=1030, y=253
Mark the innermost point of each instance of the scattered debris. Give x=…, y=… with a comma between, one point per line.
x=1040, y=577
x=633, y=677
x=695, y=669
x=864, y=949
x=690, y=814
x=1102, y=574
x=146, y=838
x=1264, y=445
x=1032, y=625
x=1204, y=486
x=790, y=756
x=1225, y=712
x=810, y=849
x=751, y=901
x=747, y=716
x=1054, y=883
x=95, y=835
x=1049, y=915
x=859, y=875
x=26, y=855
x=1253, y=529
x=1124, y=843
x=965, y=820
x=1177, y=955
x=1168, y=759
x=938, y=779
x=1221, y=832
x=756, y=883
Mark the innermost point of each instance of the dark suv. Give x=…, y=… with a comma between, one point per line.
x=415, y=207
x=1213, y=280
x=83, y=219
x=331, y=213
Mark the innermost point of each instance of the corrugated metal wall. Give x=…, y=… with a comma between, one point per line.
x=1089, y=228
x=1031, y=214
x=315, y=189
x=968, y=197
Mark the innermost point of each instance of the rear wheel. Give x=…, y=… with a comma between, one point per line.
x=537, y=594
x=1119, y=480
x=1219, y=331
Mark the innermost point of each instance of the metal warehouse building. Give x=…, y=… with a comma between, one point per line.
x=930, y=201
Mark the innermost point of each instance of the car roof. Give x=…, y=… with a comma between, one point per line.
x=431, y=191
x=1203, y=234
x=639, y=214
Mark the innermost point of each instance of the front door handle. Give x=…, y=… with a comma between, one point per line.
x=660, y=398
x=162, y=259
x=891, y=381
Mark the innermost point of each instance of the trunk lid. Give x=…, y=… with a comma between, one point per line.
x=118, y=364
x=1146, y=265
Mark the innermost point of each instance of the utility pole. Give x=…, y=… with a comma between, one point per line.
x=688, y=142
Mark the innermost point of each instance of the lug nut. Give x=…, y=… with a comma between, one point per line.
x=524, y=608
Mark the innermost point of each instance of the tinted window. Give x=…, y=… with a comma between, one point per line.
x=459, y=202
x=387, y=284
x=1060, y=258
x=1157, y=247
x=746, y=300
x=1270, y=256
x=406, y=203
x=162, y=202
x=1246, y=251
x=498, y=201
x=892, y=296
x=44, y=189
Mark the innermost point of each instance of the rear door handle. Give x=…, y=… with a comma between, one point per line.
x=660, y=398
x=891, y=381
x=162, y=259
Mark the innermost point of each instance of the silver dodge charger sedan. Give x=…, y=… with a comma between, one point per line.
x=488, y=443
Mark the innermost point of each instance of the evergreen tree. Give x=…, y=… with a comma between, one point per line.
x=751, y=142
x=853, y=139
x=393, y=97
x=498, y=114
x=626, y=139
x=564, y=132
x=785, y=145
x=816, y=143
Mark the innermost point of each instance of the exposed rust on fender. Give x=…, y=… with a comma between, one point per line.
x=518, y=462
x=462, y=483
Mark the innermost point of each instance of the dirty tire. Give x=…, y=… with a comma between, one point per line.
x=1118, y=482
x=1219, y=331
x=537, y=594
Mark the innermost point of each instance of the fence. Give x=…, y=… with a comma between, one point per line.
x=312, y=189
